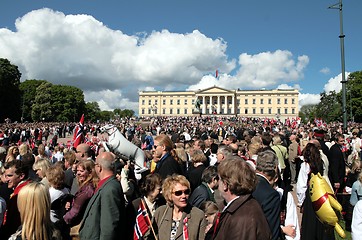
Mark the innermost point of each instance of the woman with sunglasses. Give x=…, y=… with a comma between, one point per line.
x=177, y=219
x=165, y=157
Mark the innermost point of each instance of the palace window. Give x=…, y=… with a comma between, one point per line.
x=246, y=101
x=261, y=110
x=143, y=102
x=254, y=101
x=261, y=101
x=171, y=102
x=285, y=110
x=164, y=101
x=278, y=101
x=178, y=101
x=286, y=101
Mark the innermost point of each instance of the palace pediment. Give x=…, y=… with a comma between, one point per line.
x=214, y=90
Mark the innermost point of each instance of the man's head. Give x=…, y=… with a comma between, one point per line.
x=236, y=178
x=266, y=138
x=292, y=137
x=339, y=138
x=83, y=152
x=267, y=164
x=210, y=176
x=15, y=172
x=104, y=165
x=223, y=152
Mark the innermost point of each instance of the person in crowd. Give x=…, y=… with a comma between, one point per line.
x=223, y=152
x=357, y=221
x=211, y=210
x=213, y=153
x=129, y=185
x=253, y=149
x=41, y=153
x=194, y=174
x=337, y=164
x=311, y=227
x=150, y=200
x=57, y=191
x=69, y=161
x=34, y=208
x=88, y=181
x=282, y=155
x=177, y=219
x=324, y=160
x=205, y=191
x=57, y=155
x=12, y=153
x=236, y=184
x=40, y=168
x=288, y=216
x=16, y=176
x=165, y=154
x=84, y=152
x=265, y=194
x=23, y=149
x=2, y=210
x=28, y=160
x=293, y=154
x=105, y=213
x=356, y=193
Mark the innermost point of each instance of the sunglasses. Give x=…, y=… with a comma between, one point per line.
x=180, y=192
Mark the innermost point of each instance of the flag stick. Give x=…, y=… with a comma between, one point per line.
x=148, y=218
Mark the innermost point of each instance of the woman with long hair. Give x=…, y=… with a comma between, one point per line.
x=12, y=153
x=34, y=207
x=311, y=227
x=166, y=157
x=88, y=181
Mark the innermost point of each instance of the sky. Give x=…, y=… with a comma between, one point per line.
x=112, y=49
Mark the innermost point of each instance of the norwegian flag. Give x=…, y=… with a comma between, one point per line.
x=142, y=222
x=78, y=136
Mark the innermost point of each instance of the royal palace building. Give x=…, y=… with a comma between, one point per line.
x=219, y=101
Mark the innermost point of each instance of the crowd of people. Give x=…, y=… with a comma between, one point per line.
x=207, y=178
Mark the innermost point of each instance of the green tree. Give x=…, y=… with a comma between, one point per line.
x=106, y=115
x=127, y=113
x=67, y=103
x=9, y=91
x=28, y=90
x=41, y=109
x=330, y=107
x=92, y=111
x=354, y=95
x=308, y=112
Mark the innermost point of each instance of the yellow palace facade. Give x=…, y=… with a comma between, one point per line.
x=219, y=101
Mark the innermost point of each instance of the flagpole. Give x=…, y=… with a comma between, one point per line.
x=148, y=218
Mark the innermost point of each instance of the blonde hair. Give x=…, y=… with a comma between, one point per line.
x=88, y=165
x=55, y=176
x=198, y=156
x=34, y=207
x=23, y=149
x=42, y=164
x=170, y=182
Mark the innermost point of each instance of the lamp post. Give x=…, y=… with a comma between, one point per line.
x=341, y=37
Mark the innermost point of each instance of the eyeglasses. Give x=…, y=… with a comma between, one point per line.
x=180, y=192
x=155, y=146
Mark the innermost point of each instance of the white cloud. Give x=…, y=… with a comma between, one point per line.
x=308, y=98
x=111, y=67
x=334, y=84
x=286, y=86
x=325, y=70
x=79, y=50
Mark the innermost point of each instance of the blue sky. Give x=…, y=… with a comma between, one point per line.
x=112, y=49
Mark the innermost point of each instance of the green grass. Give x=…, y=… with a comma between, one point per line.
x=348, y=234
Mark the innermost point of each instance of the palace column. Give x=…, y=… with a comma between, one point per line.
x=233, y=104
x=218, y=104
x=203, y=105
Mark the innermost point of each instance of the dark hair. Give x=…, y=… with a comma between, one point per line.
x=150, y=183
x=266, y=138
x=209, y=174
x=20, y=167
x=312, y=156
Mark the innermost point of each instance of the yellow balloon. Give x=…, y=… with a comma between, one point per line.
x=325, y=203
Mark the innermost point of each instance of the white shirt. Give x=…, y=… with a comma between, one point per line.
x=357, y=221
x=291, y=217
x=302, y=183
